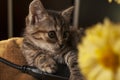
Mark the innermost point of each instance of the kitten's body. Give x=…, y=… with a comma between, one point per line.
x=49, y=40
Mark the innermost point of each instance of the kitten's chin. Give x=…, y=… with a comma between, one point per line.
x=57, y=49
x=52, y=50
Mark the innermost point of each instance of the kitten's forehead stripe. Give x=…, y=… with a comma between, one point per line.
x=59, y=21
x=55, y=23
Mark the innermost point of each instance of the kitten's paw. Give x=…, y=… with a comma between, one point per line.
x=48, y=66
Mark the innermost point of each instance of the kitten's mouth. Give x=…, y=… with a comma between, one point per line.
x=60, y=49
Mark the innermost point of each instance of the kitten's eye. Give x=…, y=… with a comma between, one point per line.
x=66, y=34
x=51, y=34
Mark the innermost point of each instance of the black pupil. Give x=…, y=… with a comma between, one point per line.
x=51, y=34
x=66, y=34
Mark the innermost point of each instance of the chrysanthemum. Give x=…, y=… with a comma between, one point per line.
x=99, y=52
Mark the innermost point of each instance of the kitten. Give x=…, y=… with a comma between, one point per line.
x=49, y=40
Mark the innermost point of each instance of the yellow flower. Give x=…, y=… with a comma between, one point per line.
x=99, y=52
x=117, y=1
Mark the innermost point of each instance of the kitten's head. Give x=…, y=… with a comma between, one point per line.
x=48, y=29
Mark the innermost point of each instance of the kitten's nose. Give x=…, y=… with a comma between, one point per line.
x=61, y=46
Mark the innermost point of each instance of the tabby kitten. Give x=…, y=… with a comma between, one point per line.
x=49, y=40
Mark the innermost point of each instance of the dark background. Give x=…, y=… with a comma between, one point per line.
x=20, y=11
x=3, y=19
x=91, y=12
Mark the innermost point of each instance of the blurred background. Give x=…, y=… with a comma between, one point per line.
x=91, y=12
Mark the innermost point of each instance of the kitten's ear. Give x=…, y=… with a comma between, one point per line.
x=67, y=13
x=37, y=12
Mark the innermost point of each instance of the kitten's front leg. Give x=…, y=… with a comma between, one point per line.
x=45, y=63
x=71, y=61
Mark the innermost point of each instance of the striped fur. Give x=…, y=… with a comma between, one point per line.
x=49, y=40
